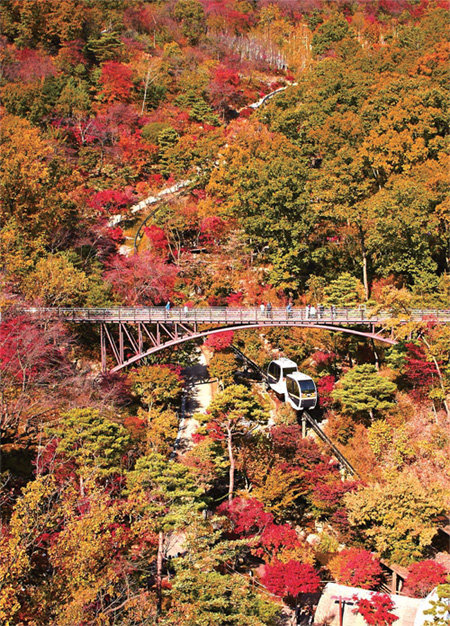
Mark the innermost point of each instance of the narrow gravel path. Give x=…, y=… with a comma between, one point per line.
x=198, y=397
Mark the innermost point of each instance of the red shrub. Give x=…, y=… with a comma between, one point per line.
x=376, y=611
x=423, y=577
x=289, y=580
x=220, y=341
x=248, y=516
x=356, y=567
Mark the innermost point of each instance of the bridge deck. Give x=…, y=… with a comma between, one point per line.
x=214, y=315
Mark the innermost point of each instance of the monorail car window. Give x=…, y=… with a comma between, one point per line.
x=289, y=370
x=292, y=388
x=308, y=388
x=274, y=371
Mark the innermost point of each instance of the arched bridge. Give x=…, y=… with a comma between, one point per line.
x=132, y=333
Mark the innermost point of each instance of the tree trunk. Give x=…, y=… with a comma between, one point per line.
x=364, y=262
x=375, y=354
x=81, y=484
x=159, y=564
x=232, y=464
x=147, y=83
x=441, y=381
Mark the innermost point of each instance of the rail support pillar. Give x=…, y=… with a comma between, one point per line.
x=303, y=425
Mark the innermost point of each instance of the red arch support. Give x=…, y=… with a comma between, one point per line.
x=198, y=335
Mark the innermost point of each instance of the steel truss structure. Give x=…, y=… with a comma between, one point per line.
x=129, y=334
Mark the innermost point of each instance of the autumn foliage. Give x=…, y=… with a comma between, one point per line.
x=377, y=611
x=289, y=580
x=229, y=154
x=220, y=341
x=423, y=577
x=142, y=279
x=247, y=516
x=356, y=568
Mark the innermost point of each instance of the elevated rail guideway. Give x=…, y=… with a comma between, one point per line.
x=132, y=333
x=306, y=419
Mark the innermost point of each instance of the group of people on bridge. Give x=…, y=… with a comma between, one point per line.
x=309, y=312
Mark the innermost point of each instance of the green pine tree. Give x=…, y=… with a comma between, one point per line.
x=162, y=494
x=345, y=290
x=167, y=138
x=364, y=392
x=207, y=589
x=94, y=444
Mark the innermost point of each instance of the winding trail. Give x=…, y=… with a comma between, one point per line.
x=136, y=208
x=199, y=393
x=182, y=184
x=268, y=96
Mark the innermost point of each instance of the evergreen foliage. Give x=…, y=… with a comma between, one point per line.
x=363, y=391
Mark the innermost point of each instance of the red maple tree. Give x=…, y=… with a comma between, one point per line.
x=274, y=538
x=142, y=278
x=111, y=201
x=325, y=386
x=116, y=80
x=220, y=341
x=377, y=610
x=356, y=567
x=289, y=580
x=423, y=577
x=419, y=372
x=247, y=516
x=156, y=237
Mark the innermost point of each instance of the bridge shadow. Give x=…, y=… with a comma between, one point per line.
x=196, y=400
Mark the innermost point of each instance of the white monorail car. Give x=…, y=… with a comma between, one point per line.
x=301, y=391
x=277, y=372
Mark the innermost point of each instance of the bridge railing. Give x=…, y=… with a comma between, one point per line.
x=235, y=315
x=203, y=315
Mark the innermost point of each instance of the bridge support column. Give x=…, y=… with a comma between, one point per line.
x=303, y=426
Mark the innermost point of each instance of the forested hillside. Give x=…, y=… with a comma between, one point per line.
x=332, y=192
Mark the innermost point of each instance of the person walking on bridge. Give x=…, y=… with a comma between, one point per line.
x=167, y=307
